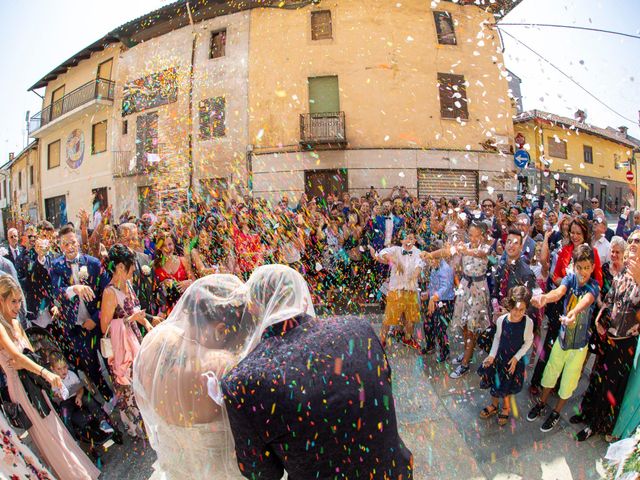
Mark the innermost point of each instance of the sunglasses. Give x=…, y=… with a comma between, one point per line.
x=634, y=241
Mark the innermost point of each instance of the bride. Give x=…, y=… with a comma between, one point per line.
x=175, y=380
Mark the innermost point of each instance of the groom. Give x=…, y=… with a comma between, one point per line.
x=78, y=281
x=314, y=396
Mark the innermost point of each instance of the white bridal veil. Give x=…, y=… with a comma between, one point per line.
x=204, y=334
x=275, y=293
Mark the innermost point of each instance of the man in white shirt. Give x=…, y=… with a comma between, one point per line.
x=405, y=264
x=600, y=242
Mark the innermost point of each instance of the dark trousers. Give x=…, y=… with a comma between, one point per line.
x=435, y=327
x=81, y=421
x=553, y=310
x=601, y=402
x=82, y=347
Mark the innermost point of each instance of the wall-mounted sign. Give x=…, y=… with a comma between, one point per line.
x=75, y=148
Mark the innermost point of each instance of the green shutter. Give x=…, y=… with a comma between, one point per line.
x=323, y=95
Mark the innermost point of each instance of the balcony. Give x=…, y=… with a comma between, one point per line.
x=98, y=91
x=323, y=130
x=129, y=164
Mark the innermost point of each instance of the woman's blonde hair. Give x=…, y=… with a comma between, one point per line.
x=8, y=285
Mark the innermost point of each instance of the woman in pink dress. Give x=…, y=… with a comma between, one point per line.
x=55, y=444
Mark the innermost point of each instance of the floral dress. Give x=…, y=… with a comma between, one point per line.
x=16, y=459
x=472, y=297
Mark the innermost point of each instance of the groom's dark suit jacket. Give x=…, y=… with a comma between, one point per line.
x=316, y=401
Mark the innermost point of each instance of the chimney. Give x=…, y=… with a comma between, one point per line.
x=11, y=156
x=623, y=130
x=580, y=116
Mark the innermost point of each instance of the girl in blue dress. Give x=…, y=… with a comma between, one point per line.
x=504, y=367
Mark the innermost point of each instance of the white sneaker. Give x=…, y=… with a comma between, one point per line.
x=457, y=360
x=460, y=371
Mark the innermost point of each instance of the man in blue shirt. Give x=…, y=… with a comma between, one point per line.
x=439, y=307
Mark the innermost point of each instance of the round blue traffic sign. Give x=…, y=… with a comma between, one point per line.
x=521, y=158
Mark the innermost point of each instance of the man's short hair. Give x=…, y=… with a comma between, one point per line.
x=523, y=218
x=46, y=226
x=126, y=226
x=583, y=253
x=517, y=233
x=67, y=229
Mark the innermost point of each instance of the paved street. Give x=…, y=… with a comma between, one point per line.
x=439, y=423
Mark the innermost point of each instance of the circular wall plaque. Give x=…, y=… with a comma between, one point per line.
x=75, y=148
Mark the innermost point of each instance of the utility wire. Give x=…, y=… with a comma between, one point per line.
x=574, y=27
x=633, y=122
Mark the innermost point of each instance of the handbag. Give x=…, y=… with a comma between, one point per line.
x=106, y=349
x=16, y=415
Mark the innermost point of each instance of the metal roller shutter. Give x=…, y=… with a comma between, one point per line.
x=447, y=183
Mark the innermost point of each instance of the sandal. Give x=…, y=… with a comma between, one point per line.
x=488, y=412
x=503, y=419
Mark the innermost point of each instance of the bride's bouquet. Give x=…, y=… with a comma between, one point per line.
x=622, y=461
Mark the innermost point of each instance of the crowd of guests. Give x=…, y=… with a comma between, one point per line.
x=530, y=282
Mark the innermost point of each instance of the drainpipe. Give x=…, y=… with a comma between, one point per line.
x=250, y=168
x=190, y=116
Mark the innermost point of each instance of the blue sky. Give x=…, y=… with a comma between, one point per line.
x=39, y=34
x=606, y=65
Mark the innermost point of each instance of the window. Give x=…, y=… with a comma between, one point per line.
x=557, y=148
x=125, y=127
x=616, y=161
x=453, y=96
x=562, y=187
x=56, y=102
x=147, y=138
x=20, y=180
x=321, y=28
x=212, y=113
x=588, y=154
x=324, y=94
x=218, y=44
x=99, y=137
x=444, y=28
x=104, y=69
x=56, y=210
x=53, y=155
x=31, y=176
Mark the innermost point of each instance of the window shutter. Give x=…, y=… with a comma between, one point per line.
x=453, y=96
x=205, y=130
x=218, y=44
x=444, y=28
x=557, y=149
x=321, y=28
x=212, y=117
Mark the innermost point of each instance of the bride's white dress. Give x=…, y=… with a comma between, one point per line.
x=200, y=451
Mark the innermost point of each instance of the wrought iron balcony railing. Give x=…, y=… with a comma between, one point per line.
x=323, y=128
x=98, y=89
x=129, y=163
